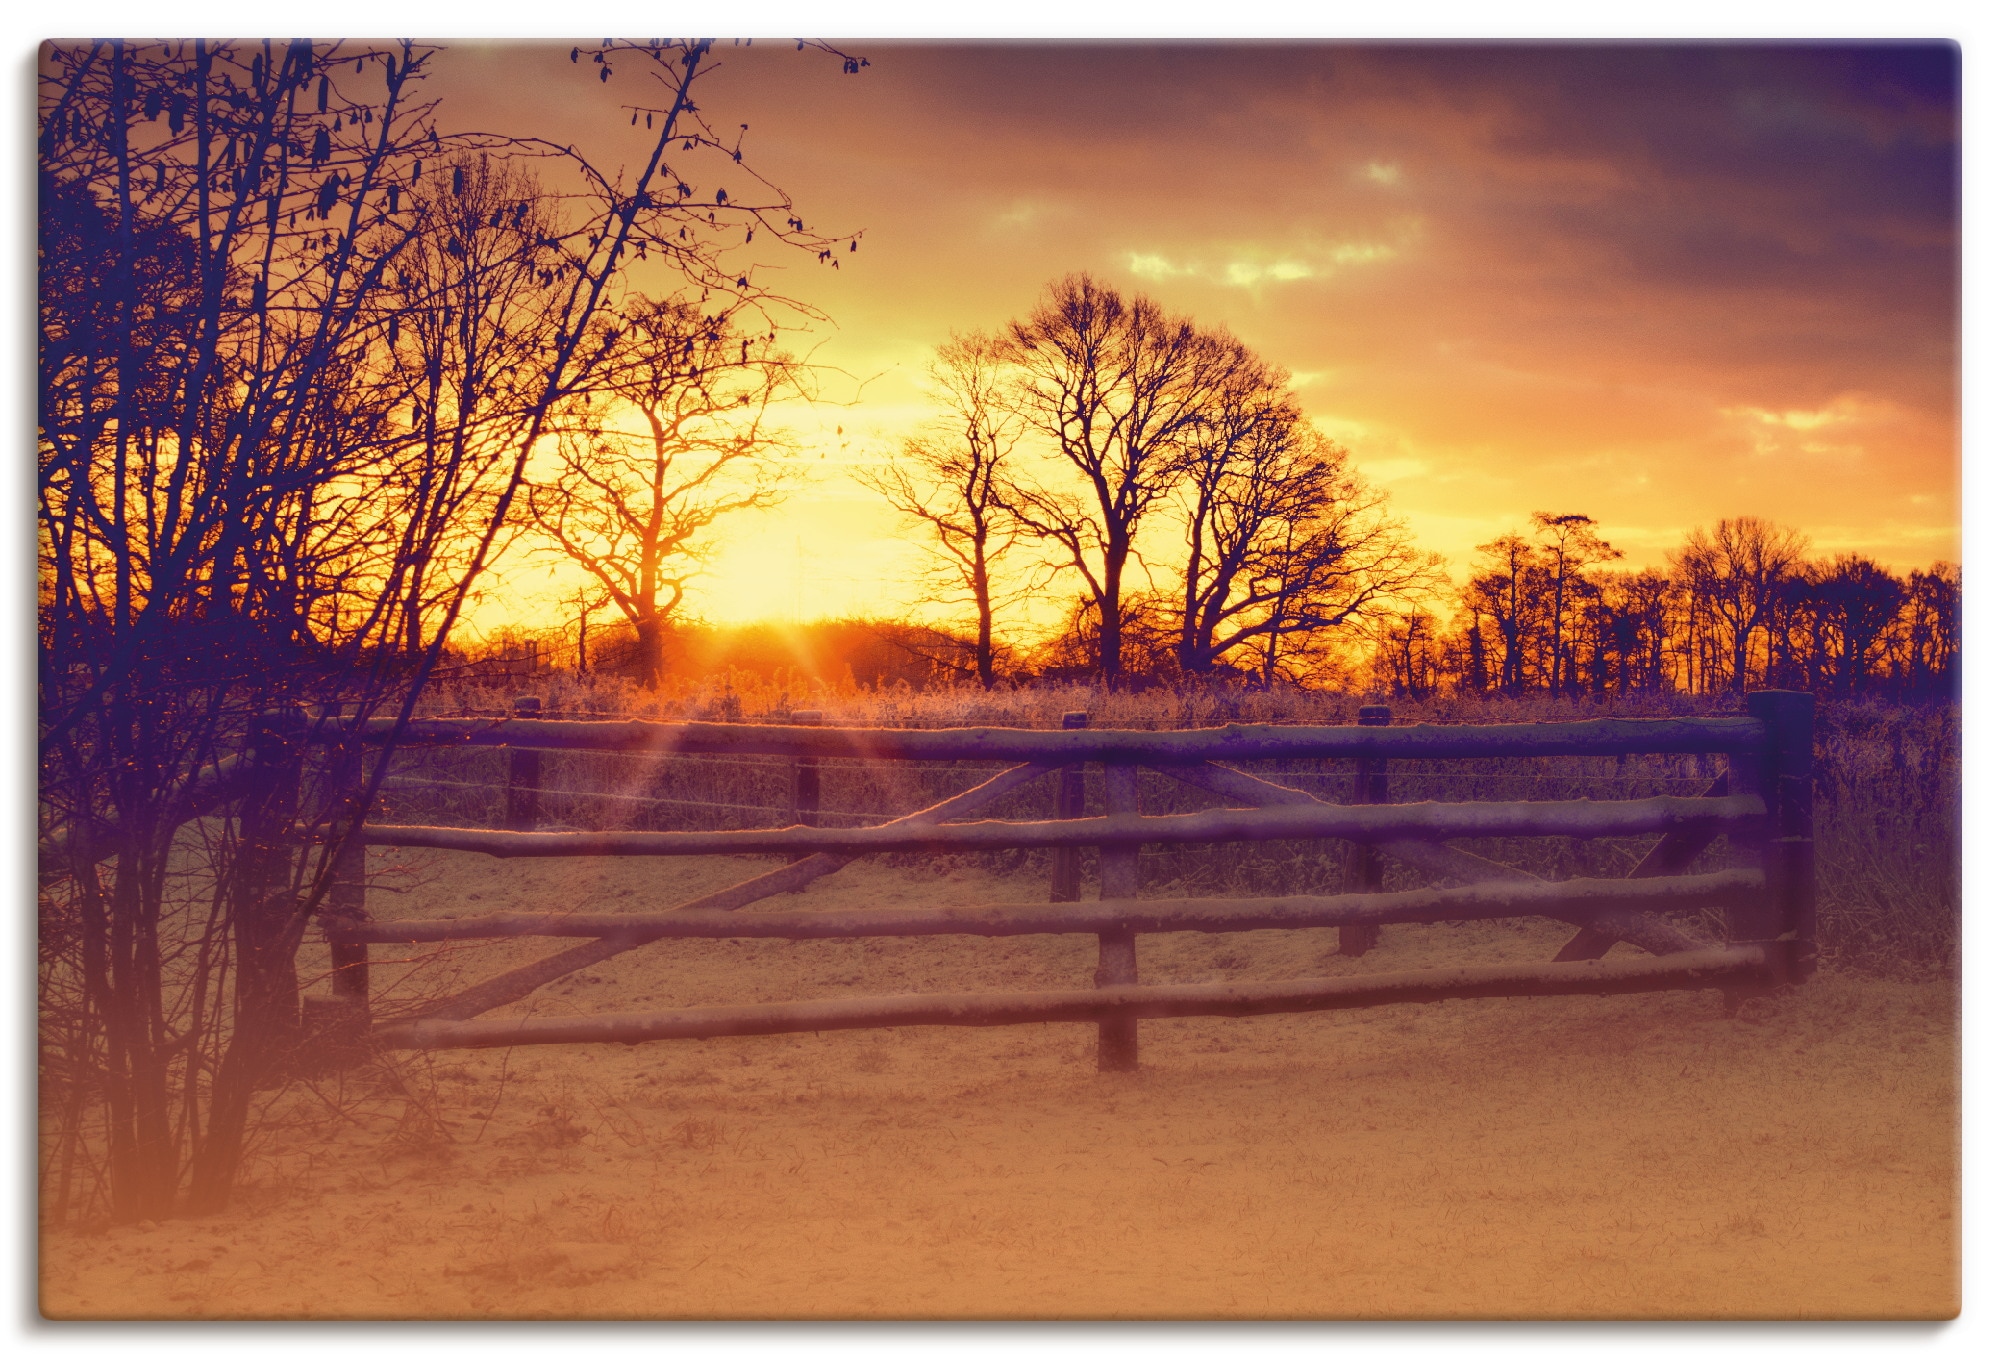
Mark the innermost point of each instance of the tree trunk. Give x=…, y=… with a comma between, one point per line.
x=982, y=598
x=1111, y=626
x=1556, y=661
x=141, y=1147
x=267, y=929
x=652, y=635
x=1110, y=641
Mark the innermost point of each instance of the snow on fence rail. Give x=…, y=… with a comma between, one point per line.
x=1597, y=736
x=1763, y=805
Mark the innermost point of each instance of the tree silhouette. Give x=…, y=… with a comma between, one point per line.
x=1284, y=538
x=298, y=348
x=1510, y=594
x=1569, y=546
x=1115, y=388
x=1738, y=571
x=634, y=508
x=952, y=479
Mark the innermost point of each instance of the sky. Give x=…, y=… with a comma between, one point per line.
x=1656, y=284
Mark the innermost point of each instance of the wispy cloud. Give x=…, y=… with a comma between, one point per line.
x=1252, y=267
x=1826, y=429
x=1795, y=419
x=1023, y=212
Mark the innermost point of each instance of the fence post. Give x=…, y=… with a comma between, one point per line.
x=347, y=896
x=1065, y=869
x=337, y=1026
x=267, y=966
x=1364, y=865
x=805, y=779
x=1786, y=852
x=524, y=774
x=1118, y=950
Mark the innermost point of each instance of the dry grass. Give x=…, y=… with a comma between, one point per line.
x=1635, y=1156
x=1888, y=789
x=1639, y=1156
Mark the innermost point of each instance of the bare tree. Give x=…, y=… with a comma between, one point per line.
x=952, y=479
x=1409, y=655
x=1738, y=572
x=234, y=503
x=472, y=307
x=1284, y=538
x=1837, y=621
x=1570, y=546
x=1638, y=609
x=215, y=213
x=634, y=508
x=1509, y=593
x=1115, y=388
x=1927, y=642
x=1738, y=603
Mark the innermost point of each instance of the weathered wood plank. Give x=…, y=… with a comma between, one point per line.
x=1678, y=848
x=1444, y=860
x=525, y=980
x=1364, y=862
x=1597, y=736
x=1789, y=854
x=524, y=775
x=1599, y=934
x=1673, y=852
x=1573, y=899
x=1685, y=971
x=1066, y=865
x=1580, y=817
x=1117, y=947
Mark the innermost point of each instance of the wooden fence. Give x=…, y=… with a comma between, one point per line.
x=1763, y=805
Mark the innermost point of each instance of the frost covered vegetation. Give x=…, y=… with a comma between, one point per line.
x=1888, y=792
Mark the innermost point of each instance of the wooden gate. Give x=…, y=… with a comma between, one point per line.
x=1763, y=804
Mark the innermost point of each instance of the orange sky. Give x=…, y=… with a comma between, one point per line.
x=1653, y=284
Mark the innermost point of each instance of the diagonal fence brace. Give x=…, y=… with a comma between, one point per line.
x=525, y=980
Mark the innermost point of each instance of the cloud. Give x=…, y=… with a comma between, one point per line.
x=1253, y=267
x=1810, y=429
x=1794, y=419
x=1024, y=212
x=1250, y=273
x=1732, y=266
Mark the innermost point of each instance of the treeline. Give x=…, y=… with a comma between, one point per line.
x=1739, y=605
x=840, y=655
x=1165, y=480
x=1161, y=476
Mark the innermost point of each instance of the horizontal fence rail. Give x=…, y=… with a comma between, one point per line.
x=1598, y=736
x=633, y=799
x=1721, y=967
x=1416, y=820
x=1760, y=807
x=1574, y=900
